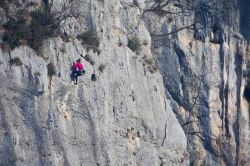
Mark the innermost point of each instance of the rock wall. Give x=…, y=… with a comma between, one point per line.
x=123, y=118
x=205, y=74
x=192, y=110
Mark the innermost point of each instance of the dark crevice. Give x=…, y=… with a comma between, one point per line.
x=221, y=93
x=205, y=126
x=171, y=83
x=236, y=126
x=247, y=93
x=46, y=4
x=226, y=98
x=226, y=102
x=224, y=91
x=226, y=149
x=184, y=79
x=165, y=134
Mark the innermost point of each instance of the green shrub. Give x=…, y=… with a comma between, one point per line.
x=134, y=44
x=65, y=37
x=37, y=73
x=51, y=69
x=149, y=61
x=153, y=68
x=89, y=59
x=33, y=27
x=119, y=43
x=102, y=67
x=43, y=26
x=63, y=48
x=151, y=64
x=16, y=61
x=17, y=30
x=90, y=39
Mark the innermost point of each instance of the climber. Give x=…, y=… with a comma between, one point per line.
x=77, y=70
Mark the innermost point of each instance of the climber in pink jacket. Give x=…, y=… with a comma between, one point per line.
x=78, y=69
x=78, y=66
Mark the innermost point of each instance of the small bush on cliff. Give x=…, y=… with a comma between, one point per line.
x=16, y=61
x=134, y=44
x=43, y=26
x=32, y=27
x=89, y=59
x=51, y=69
x=17, y=31
x=102, y=67
x=90, y=39
x=151, y=64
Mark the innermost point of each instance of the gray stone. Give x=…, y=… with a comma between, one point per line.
x=123, y=118
x=203, y=74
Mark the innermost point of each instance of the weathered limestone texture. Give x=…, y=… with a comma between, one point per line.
x=205, y=70
x=123, y=118
x=182, y=99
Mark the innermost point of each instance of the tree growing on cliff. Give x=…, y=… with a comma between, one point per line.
x=66, y=9
x=201, y=11
x=33, y=25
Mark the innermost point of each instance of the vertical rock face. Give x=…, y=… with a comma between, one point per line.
x=128, y=116
x=123, y=118
x=205, y=74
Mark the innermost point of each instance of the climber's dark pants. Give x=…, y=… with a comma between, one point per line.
x=76, y=74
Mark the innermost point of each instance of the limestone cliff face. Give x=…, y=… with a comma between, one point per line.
x=123, y=118
x=205, y=70
x=192, y=110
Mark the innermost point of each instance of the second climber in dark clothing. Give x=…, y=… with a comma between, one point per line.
x=78, y=70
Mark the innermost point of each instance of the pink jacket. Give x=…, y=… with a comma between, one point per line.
x=79, y=66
